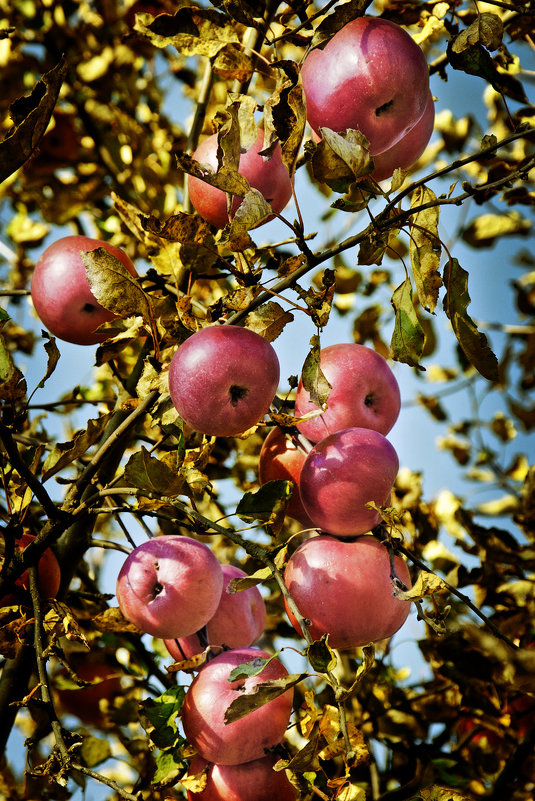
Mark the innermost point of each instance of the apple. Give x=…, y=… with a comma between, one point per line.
x=345, y=590
x=48, y=576
x=170, y=586
x=238, y=622
x=364, y=393
x=222, y=379
x=409, y=148
x=61, y=293
x=281, y=460
x=265, y=173
x=211, y=693
x=84, y=702
x=251, y=781
x=371, y=76
x=341, y=474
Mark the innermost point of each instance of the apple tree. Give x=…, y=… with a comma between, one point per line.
x=361, y=173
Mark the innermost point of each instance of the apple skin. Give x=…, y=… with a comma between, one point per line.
x=268, y=175
x=48, y=576
x=364, y=394
x=281, y=460
x=209, y=696
x=222, y=379
x=341, y=474
x=170, y=586
x=371, y=76
x=61, y=293
x=409, y=148
x=344, y=588
x=251, y=781
x=84, y=701
x=237, y=623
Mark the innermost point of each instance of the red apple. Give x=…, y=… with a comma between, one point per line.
x=265, y=173
x=238, y=622
x=84, y=702
x=251, y=781
x=344, y=472
x=170, y=586
x=222, y=379
x=61, y=293
x=281, y=460
x=371, y=76
x=211, y=693
x=409, y=148
x=364, y=393
x=48, y=576
x=345, y=589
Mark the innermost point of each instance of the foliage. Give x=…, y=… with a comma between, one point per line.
x=93, y=143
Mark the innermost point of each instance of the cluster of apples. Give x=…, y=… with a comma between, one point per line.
x=174, y=588
x=372, y=77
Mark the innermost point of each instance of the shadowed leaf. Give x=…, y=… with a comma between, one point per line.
x=267, y=503
x=314, y=380
x=114, y=286
x=268, y=320
x=408, y=339
x=260, y=695
x=146, y=472
x=337, y=19
x=64, y=453
x=285, y=114
x=487, y=29
x=341, y=158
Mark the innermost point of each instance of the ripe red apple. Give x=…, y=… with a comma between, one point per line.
x=281, y=460
x=48, y=576
x=265, y=173
x=364, y=393
x=409, y=148
x=238, y=622
x=170, y=586
x=345, y=589
x=371, y=76
x=84, y=702
x=61, y=293
x=211, y=693
x=222, y=379
x=251, y=781
x=341, y=474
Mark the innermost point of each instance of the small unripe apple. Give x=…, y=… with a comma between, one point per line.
x=345, y=590
x=222, y=379
x=371, y=76
x=61, y=293
x=281, y=460
x=364, y=393
x=265, y=173
x=211, y=693
x=48, y=576
x=170, y=586
x=238, y=622
x=251, y=781
x=344, y=472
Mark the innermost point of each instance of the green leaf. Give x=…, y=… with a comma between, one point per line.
x=149, y=473
x=246, y=582
x=249, y=669
x=160, y=716
x=114, y=286
x=424, y=248
x=321, y=657
x=64, y=453
x=261, y=694
x=473, y=343
x=268, y=320
x=340, y=159
x=312, y=376
x=267, y=503
x=169, y=766
x=94, y=751
x=408, y=339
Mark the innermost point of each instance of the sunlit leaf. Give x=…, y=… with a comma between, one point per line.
x=192, y=31
x=425, y=248
x=261, y=694
x=321, y=657
x=484, y=230
x=408, y=339
x=341, y=158
x=147, y=472
x=313, y=378
x=252, y=580
x=94, y=750
x=269, y=320
x=114, y=286
x=426, y=584
x=486, y=29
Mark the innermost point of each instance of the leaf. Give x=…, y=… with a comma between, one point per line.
x=261, y=694
x=188, y=229
x=424, y=248
x=64, y=453
x=437, y=792
x=268, y=320
x=408, y=339
x=169, y=766
x=149, y=473
x=285, y=114
x=484, y=230
x=426, y=584
x=267, y=503
x=373, y=247
x=340, y=159
x=487, y=29
x=312, y=376
x=12, y=382
x=336, y=20
x=31, y=116
x=112, y=621
x=246, y=582
x=53, y=358
x=321, y=657
x=249, y=669
x=319, y=302
x=476, y=60
x=252, y=212
x=161, y=712
x=473, y=343
x=94, y=750
x=114, y=286
x=192, y=31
